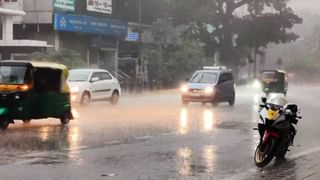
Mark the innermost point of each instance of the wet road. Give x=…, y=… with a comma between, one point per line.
x=152, y=136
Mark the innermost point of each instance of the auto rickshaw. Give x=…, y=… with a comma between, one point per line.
x=33, y=90
x=274, y=81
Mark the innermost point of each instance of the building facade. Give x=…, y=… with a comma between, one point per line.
x=89, y=27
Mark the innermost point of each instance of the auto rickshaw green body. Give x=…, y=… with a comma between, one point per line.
x=33, y=90
x=274, y=81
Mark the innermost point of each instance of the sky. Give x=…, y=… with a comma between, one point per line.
x=306, y=5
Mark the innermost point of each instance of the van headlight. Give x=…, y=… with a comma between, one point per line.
x=209, y=90
x=75, y=89
x=256, y=84
x=184, y=88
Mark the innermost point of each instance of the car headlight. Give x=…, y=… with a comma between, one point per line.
x=75, y=89
x=208, y=90
x=184, y=88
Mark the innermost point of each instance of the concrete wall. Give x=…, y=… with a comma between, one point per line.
x=15, y=5
x=38, y=11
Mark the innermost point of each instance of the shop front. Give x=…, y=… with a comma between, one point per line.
x=98, y=37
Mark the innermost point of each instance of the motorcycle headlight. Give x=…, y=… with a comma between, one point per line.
x=208, y=90
x=184, y=88
x=75, y=89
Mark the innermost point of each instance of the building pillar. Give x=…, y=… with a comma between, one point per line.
x=88, y=57
x=7, y=28
x=56, y=41
x=116, y=57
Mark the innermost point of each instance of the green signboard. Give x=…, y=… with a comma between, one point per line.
x=65, y=5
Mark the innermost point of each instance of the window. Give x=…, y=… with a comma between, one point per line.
x=13, y=74
x=78, y=76
x=105, y=76
x=225, y=77
x=96, y=76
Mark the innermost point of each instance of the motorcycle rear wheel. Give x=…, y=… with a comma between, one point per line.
x=283, y=152
x=264, y=153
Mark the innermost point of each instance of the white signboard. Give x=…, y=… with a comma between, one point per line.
x=101, y=6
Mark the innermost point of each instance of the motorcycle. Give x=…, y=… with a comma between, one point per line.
x=276, y=128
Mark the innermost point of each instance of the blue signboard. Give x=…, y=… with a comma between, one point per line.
x=88, y=24
x=133, y=36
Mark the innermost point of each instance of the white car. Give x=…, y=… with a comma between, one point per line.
x=93, y=84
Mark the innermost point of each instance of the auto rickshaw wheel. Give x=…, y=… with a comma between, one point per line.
x=4, y=124
x=26, y=121
x=65, y=119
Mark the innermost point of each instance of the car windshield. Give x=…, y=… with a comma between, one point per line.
x=268, y=75
x=78, y=76
x=13, y=74
x=204, y=77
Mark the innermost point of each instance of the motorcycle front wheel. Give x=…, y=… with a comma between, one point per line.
x=264, y=153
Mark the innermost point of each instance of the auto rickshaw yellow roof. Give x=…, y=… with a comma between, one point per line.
x=38, y=64
x=49, y=65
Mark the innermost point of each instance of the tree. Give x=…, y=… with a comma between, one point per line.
x=229, y=27
x=171, y=58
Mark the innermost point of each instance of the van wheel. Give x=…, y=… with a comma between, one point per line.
x=114, y=98
x=85, y=98
x=4, y=124
x=65, y=119
x=232, y=101
x=26, y=121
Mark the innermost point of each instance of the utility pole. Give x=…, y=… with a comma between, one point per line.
x=139, y=63
x=255, y=63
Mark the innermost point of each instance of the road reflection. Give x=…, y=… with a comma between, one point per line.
x=75, y=113
x=185, y=157
x=209, y=156
x=40, y=137
x=208, y=120
x=206, y=124
x=189, y=164
x=183, y=123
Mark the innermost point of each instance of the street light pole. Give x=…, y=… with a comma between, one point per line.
x=140, y=31
x=139, y=64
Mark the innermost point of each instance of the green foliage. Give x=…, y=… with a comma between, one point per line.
x=171, y=63
x=172, y=59
x=70, y=58
x=225, y=27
